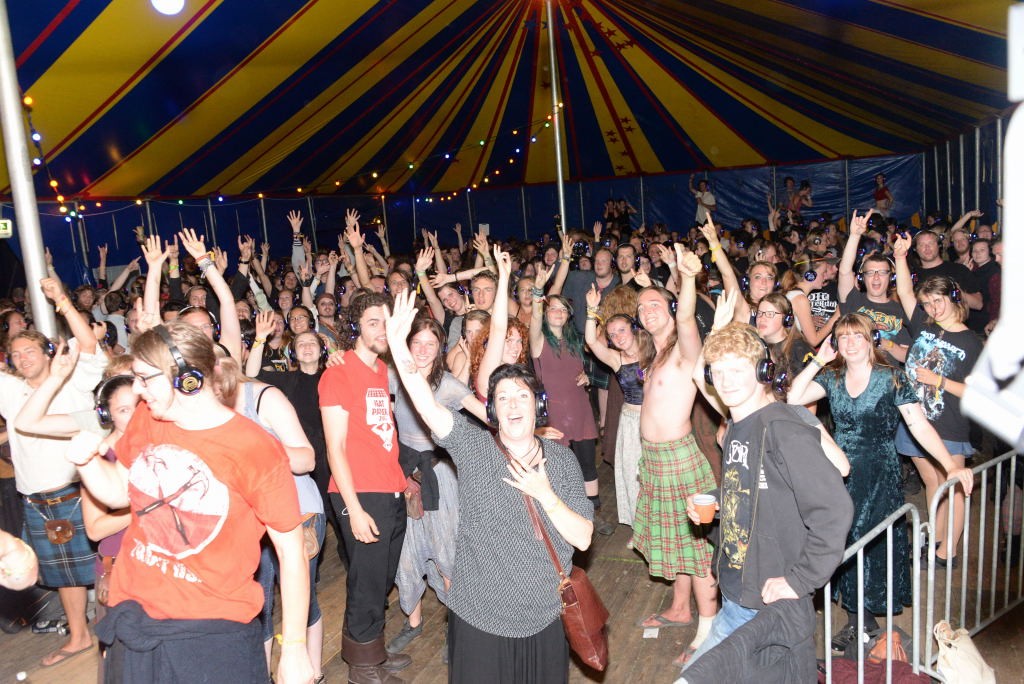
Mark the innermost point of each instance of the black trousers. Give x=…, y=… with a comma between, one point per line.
x=371, y=567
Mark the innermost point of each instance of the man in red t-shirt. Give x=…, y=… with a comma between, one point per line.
x=366, y=488
x=204, y=485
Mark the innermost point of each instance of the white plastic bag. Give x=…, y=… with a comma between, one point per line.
x=959, y=659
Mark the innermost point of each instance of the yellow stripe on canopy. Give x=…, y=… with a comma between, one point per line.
x=268, y=66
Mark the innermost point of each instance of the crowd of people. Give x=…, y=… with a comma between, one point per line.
x=187, y=438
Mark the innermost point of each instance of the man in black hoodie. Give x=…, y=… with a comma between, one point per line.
x=784, y=517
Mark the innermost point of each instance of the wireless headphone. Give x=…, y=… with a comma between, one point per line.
x=289, y=351
x=764, y=369
x=104, y=391
x=187, y=378
x=874, y=257
x=540, y=409
x=876, y=337
x=955, y=295
x=48, y=347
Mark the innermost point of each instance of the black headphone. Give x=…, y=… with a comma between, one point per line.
x=104, y=391
x=187, y=378
x=787, y=320
x=50, y=348
x=764, y=369
x=213, y=319
x=289, y=351
x=955, y=295
x=540, y=409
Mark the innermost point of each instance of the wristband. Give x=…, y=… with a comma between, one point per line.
x=565, y=258
x=244, y=262
x=552, y=507
x=421, y=274
x=259, y=340
x=286, y=642
x=537, y=292
x=205, y=266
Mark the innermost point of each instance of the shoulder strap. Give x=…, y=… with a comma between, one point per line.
x=538, y=527
x=259, y=398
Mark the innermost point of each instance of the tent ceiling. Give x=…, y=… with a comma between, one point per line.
x=246, y=96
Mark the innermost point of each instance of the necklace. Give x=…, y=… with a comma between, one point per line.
x=529, y=458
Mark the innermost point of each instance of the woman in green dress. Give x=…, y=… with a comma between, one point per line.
x=868, y=396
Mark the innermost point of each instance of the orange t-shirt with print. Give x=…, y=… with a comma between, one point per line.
x=372, y=444
x=200, y=501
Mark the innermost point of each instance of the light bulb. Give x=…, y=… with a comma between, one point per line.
x=168, y=7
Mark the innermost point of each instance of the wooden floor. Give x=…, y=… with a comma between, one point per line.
x=620, y=576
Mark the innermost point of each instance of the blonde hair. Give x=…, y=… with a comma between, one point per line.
x=735, y=338
x=194, y=346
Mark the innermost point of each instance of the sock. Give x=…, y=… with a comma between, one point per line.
x=703, y=629
x=596, y=500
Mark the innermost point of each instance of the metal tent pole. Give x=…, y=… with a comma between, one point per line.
x=555, y=112
x=963, y=190
x=26, y=210
x=977, y=167
x=526, y=224
x=263, y=220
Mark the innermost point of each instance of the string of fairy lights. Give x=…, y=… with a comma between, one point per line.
x=522, y=137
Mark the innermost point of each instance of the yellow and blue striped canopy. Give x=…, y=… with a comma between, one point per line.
x=238, y=97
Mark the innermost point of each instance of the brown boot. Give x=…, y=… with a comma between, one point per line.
x=368, y=662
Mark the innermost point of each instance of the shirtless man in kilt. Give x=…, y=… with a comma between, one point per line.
x=672, y=466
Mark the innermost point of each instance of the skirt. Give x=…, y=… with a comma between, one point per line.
x=627, y=462
x=476, y=656
x=71, y=564
x=428, y=554
x=663, y=533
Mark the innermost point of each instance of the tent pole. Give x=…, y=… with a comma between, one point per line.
x=999, y=170
x=469, y=212
x=846, y=182
x=963, y=195
x=413, y=220
x=924, y=183
x=643, y=204
x=212, y=235
x=522, y=197
x=977, y=168
x=263, y=221
x=312, y=221
x=938, y=188
x=583, y=213
x=949, y=180
x=384, y=215
x=149, y=220
x=555, y=111
x=26, y=210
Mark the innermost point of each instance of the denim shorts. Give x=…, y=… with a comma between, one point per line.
x=908, y=446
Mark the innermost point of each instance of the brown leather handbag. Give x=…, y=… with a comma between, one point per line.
x=583, y=614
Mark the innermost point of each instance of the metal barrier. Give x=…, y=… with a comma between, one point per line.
x=857, y=550
x=991, y=499
x=1005, y=585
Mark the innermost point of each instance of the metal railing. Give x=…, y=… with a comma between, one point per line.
x=988, y=570
x=856, y=550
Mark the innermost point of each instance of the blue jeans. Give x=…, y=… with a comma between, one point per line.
x=731, y=617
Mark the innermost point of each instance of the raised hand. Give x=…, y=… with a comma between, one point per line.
x=642, y=279
x=458, y=229
x=220, y=259
x=566, y=251
x=724, y=310
x=688, y=263
x=398, y=323
x=245, y=246
x=133, y=265
x=193, y=244
x=265, y=250
x=503, y=262
x=354, y=235
x=901, y=246
x=152, y=253
x=264, y=324
x=295, y=220
x=439, y=279
x=598, y=227
x=47, y=257
x=859, y=224
x=424, y=259
x=480, y=244
x=147, y=319
x=104, y=250
x=351, y=218
x=51, y=288
x=593, y=296
x=540, y=276
x=710, y=233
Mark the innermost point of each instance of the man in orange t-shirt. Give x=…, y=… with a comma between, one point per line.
x=366, y=488
x=204, y=485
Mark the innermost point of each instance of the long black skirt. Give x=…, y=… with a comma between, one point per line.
x=475, y=656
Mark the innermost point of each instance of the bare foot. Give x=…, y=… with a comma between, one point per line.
x=666, y=619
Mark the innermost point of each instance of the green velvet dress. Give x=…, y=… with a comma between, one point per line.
x=865, y=430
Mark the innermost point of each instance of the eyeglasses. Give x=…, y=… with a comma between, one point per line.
x=877, y=272
x=768, y=314
x=144, y=379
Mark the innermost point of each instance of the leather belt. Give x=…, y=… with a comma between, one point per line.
x=54, y=501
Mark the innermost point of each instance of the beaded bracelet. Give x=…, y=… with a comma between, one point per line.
x=537, y=292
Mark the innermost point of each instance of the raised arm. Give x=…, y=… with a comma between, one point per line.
x=108, y=482
x=602, y=351
x=298, y=252
x=565, y=257
x=397, y=324
x=537, y=312
x=77, y=323
x=230, y=329
x=423, y=262
x=962, y=221
x=155, y=258
x=687, y=334
x=264, y=328
x=357, y=240
x=123, y=276
x=721, y=259
x=847, y=279
x=499, y=323
x=904, y=284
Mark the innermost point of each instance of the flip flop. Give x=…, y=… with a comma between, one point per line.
x=63, y=654
x=684, y=657
x=662, y=622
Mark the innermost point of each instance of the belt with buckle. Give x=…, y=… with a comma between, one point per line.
x=54, y=501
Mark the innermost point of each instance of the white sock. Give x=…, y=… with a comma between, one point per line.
x=703, y=629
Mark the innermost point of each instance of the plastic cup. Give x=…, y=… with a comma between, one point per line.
x=705, y=505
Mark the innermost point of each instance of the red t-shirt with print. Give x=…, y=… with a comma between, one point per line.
x=201, y=500
x=372, y=444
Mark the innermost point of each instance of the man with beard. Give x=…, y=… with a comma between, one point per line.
x=366, y=488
